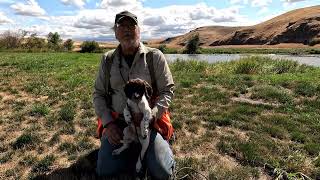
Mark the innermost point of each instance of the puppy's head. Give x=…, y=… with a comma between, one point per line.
x=136, y=88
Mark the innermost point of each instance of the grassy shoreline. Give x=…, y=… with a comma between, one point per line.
x=170, y=50
x=230, y=118
x=291, y=51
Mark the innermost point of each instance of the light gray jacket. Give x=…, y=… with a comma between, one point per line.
x=120, y=73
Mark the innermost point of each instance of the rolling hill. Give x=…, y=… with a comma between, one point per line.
x=298, y=26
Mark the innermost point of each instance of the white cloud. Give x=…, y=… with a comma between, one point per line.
x=118, y=3
x=260, y=3
x=4, y=19
x=263, y=10
x=292, y=1
x=253, y=3
x=154, y=22
x=30, y=9
x=77, y=3
x=238, y=1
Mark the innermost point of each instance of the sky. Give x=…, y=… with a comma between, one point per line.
x=93, y=19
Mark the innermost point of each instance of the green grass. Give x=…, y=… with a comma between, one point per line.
x=39, y=110
x=44, y=164
x=278, y=123
x=28, y=140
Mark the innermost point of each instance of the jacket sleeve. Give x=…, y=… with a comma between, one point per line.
x=100, y=94
x=164, y=82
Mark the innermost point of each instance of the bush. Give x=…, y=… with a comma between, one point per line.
x=11, y=39
x=54, y=40
x=68, y=45
x=314, y=41
x=26, y=140
x=163, y=48
x=90, y=47
x=34, y=42
x=193, y=44
x=67, y=112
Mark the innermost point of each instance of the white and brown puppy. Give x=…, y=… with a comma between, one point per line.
x=138, y=92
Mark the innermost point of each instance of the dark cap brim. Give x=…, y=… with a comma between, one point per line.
x=119, y=19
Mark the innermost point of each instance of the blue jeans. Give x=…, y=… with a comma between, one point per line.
x=158, y=159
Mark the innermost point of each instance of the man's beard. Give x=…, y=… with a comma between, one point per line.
x=132, y=43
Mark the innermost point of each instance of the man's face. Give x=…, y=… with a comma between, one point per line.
x=127, y=32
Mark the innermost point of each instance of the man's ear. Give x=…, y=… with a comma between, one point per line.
x=148, y=90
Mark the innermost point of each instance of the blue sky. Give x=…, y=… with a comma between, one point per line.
x=93, y=19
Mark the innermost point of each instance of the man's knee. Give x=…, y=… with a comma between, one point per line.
x=107, y=164
x=160, y=160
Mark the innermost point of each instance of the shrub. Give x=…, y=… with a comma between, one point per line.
x=90, y=47
x=193, y=44
x=247, y=67
x=68, y=45
x=34, y=42
x=268, y=92
x=54, y=40
x=312, y=148
x=25, y=140
x=39, y=110
x=305, y=89
x=67, y=112
x=314, y=41
x=11, y=39
x=163, y=48
x=44, y=164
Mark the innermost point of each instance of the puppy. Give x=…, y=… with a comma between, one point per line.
x=138, y=93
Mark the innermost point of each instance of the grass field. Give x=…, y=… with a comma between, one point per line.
x=232, y=120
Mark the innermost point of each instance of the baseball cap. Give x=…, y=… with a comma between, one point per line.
x=124, y=14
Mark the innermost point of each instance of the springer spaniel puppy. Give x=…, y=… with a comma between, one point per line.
x=138, y=92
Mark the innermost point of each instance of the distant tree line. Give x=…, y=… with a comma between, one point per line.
x=22, y=40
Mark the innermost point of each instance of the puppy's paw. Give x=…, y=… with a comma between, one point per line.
x=138, y=166
x=145, y=133
x=116, y=152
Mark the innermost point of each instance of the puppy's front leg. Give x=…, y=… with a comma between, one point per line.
x=147, y=116
x=128, y=137
x=144, y=144
x=127, y=115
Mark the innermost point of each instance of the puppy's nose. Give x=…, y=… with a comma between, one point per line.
x=136, y=95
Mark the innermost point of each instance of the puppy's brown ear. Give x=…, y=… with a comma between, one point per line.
x=128, y=89
x=148, y=90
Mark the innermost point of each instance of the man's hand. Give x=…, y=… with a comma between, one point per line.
x=113, y=133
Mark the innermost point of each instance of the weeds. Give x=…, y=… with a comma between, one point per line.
x=39, y=110
x=67, y=112
x=271, y=93
x=43, y=165
x=28, y=140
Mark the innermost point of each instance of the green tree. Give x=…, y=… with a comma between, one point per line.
x=193, y=44
x=90, y=46
x=163, y=48
x=54, y=40
x=68, y=45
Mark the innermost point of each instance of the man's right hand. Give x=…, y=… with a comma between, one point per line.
x=113, y=133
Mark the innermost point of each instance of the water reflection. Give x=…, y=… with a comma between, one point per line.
x=313, y=60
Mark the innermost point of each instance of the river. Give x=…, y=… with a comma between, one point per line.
x=313, y=60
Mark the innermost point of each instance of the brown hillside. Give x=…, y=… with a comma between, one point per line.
x=297, y=26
